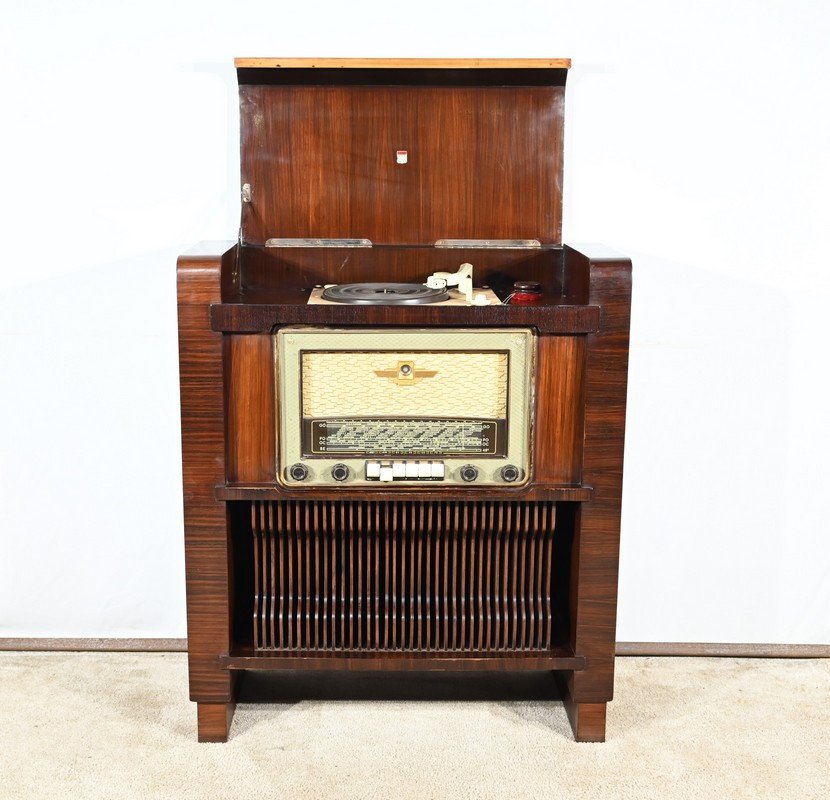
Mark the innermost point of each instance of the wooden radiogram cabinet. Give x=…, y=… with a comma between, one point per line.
x=389, y=171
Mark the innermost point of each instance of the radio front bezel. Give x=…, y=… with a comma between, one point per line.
x=520, y=343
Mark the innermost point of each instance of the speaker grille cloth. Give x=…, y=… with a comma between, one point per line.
x=344, y=384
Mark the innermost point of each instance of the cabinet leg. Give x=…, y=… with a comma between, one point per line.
x=587, y=720
x=214, y=721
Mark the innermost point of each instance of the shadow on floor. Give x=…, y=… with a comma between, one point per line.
x=293, y=687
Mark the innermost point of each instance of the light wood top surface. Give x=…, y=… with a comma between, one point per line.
x=403, y=63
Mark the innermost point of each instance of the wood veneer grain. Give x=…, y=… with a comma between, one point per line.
x=208, y=577
x=483, y=162
x=249, y=382
x=249, y=316
x=214, y=721
x=533, y=492
x=595, y=551
x=559, y=403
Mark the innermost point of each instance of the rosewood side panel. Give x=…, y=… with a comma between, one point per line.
x=208, y=573
x=595, y=552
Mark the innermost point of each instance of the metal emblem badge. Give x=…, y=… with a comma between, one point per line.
x=406, y=374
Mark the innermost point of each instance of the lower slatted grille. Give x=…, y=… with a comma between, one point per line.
x=402, y=576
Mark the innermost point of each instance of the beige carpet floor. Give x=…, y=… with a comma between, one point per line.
x=119, y=725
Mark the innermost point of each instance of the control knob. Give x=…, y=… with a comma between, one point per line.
x=468, y=473
x=340, y=472
x=510, y=473
x=298, y=472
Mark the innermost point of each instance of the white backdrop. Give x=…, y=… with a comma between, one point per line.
x=697, y=142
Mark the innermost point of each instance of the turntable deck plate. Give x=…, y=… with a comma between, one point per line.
x=455, y=298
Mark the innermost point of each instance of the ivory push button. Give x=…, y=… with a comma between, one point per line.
x=386, y=474
x=372, y=470
x=437, y=470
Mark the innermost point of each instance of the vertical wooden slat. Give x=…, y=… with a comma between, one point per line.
x=522, y=568
x=378, y=540
x=454, y=578
x=324, y=586
x=406, y=613
x=371, y=575
x=307, y=534
x=503, y=577
x=547, y=576
x=335, y=573
x=301, y=574
x=372, y=602
x=514, y=566
x=418, y=534
x=350, y=595
x=428, y=573
x=441, y=585
x=257, y=586
x=475, y=579
x=387, y=559
x=497, y=592
x=462, y=572
x=271, y=577
x=413, y=535
x=261, y=542
x=298, y=511
x=395, y=615
x=342, y=574
x=531, y=572
x=357, y=544
x=267, y=591
x=277, y=537
x=291, y=535
x=487, y=586
x=314, y=643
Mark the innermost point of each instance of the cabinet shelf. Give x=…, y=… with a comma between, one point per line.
x=245, y=657
x=272, y=491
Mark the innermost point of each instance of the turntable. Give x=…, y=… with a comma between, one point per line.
x=451, y=289
x=384, y=294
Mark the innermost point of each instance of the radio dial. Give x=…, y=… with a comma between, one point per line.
x=469, y=473
x=340, y=472
x=298, y=472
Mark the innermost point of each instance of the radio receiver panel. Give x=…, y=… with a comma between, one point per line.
x=364, y=407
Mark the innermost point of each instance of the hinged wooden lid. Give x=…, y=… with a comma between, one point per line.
x=402, y=151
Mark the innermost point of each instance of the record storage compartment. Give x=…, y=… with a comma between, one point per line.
x=408, y=577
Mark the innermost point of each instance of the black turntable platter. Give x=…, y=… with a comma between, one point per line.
x=384, y=294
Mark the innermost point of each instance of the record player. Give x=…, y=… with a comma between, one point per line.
x=403, y=398
x=442, y=287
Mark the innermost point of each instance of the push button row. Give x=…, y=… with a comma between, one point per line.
x=388, y=471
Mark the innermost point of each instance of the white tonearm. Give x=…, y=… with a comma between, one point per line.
x=463, y=279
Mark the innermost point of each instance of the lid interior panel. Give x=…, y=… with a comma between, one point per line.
x=400, y=163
